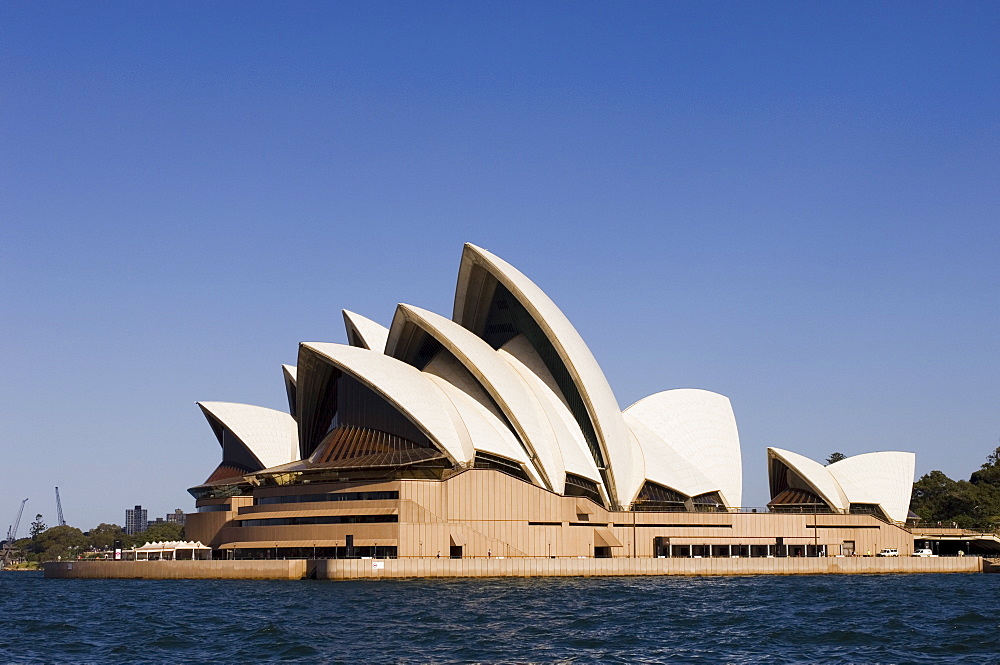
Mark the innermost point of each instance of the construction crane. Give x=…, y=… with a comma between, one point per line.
x=8, y=548
x=12, y=531
x=59, y=515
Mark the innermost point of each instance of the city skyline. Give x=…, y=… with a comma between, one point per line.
x=792, y=206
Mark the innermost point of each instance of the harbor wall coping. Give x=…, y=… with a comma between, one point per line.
x=339, y=569
x=290, y=569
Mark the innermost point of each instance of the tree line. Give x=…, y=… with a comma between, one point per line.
x=970, y=504
x=68, y=542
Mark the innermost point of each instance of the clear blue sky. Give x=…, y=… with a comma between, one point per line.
x=793, y=204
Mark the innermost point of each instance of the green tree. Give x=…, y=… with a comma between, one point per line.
x=971, y=504
x=988, y=473
x=103, y=536
x=930, y=494
x=37, y=527
x=835, y=457
x=159, y=532
x=63, y=542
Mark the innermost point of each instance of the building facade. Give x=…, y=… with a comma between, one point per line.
x=496, y=433
x=135, y=520
x=177, y=517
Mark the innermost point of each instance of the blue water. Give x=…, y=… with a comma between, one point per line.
x=863, y=619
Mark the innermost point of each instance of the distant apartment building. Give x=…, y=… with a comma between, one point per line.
x=177, y=517
x=135, y=520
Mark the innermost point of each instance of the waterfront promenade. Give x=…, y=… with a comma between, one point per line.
x=349, y=569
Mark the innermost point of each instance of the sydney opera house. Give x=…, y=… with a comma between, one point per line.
x=494, y=433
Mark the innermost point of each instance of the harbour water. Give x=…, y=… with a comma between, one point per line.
x=859, y=619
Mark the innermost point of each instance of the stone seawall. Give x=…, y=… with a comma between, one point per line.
x=343, y=569
x=528, y=567
x=291, y=569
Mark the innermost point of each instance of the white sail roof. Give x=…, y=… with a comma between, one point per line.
x=698, y=427
x=411, y=392
x=270, y=435
x=363, y=332
x=586, y=374
x=499, y=379
x=815, y=475
x=882, y=478
x=485, y=431
x=572, y=446
x=666, y=466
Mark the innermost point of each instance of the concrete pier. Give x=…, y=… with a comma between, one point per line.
x=350, y=569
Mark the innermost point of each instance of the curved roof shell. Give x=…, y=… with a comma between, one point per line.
x=289, y=373
x=407, y=389
x=689, y=442
x=478, y=274
x=520, y=355
x=666, y=466
x=816, y=476
x=484, y=430
x=503, y=384
x=365, y=333
x=270, y=436
x=883, y=478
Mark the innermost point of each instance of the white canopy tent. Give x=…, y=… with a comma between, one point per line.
x=176, y=550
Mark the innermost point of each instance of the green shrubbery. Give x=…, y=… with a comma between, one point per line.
x=971, y=504
x=67, y=542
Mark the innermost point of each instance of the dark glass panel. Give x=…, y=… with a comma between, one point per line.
x=368, y=551
x=429, y=347
x=316, y=498
x=580, y=486
x=317, y=399
x=290, y=392
x=360, y=407
x=778, y=477
x=235, y=454
x=654, y=497
x=324, y=519
x=708, y=502
x=510, y=467
x=416, y=346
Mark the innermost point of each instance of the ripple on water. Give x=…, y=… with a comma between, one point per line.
x=739, y=620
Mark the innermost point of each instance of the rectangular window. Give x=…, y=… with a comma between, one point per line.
x=324, y=519
x=317, y=498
